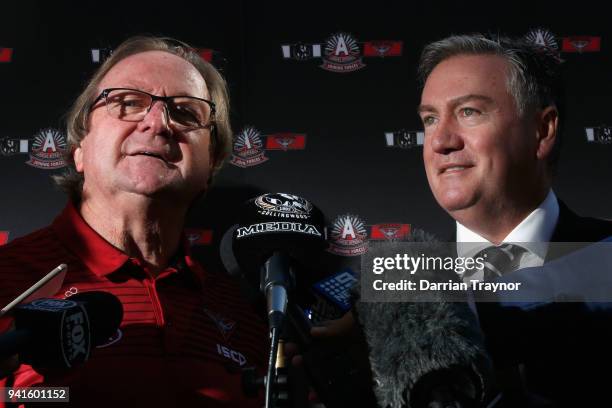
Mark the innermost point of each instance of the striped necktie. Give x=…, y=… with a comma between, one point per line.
x=498, y=260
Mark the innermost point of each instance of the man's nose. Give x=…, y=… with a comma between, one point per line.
x=156, y=119
x=446, y=137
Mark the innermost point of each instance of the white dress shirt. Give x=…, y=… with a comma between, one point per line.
x=533, y=234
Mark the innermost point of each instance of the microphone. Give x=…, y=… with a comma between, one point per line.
x=59, y=333
x=276, y=235
x=424, y=352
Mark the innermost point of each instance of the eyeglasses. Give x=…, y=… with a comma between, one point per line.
x=132, y=105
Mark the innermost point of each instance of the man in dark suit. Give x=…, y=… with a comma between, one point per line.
x=491, y=111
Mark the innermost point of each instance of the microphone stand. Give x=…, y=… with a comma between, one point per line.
x=275, y=281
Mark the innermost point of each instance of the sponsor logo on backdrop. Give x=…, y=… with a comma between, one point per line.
x=581, y=43
x=46, y=149
x=599, y=134
x=99, y=55
x=283, y=205
x=286, y=141
x=542, y=37
x=342, y=52
x=348, y=236
x=249, y=146
x=389, y=232
x=573, y=44
x=6, y=54
x=205, y=53
x=4, y=236
x=226, y=326
x=198, y=236
x=404, y=139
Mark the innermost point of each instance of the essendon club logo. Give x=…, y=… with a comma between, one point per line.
x=581, y=43
x=390, y=232
x=599, y=134
x=48, y=150
x=226, y=326
x=341, y=52
x=197, y=237
x=404, y=139
x=286, y=141
x=249, y=146
x=6, y=54
x=348, y=236
x=4, y=236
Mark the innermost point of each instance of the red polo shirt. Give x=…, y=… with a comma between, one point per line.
x=184, y=338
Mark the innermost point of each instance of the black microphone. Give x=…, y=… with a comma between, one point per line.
x=59, y=333
x=276, y=235
x=424, y=353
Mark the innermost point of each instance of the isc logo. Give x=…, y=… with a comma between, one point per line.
x=233, y=355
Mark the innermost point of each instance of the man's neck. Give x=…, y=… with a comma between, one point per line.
x=495, y=223
x=141, y=227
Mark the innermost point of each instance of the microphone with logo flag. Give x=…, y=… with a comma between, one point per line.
x=275, y=235
x=273, y=246
x=59, y=333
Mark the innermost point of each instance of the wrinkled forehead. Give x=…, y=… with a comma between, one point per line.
x=156, y=72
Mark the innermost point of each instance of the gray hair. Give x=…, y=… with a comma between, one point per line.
x=534, y=74
x=70, y=180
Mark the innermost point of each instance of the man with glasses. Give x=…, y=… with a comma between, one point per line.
x=146, y=135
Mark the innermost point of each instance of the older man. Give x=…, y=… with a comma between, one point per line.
x=147, y=134
x=491, y=111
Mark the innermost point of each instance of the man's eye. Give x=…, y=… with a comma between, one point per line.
x=428, y=120
x=469, y=112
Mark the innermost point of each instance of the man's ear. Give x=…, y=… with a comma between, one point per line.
x=77, y=156
x=547, y=123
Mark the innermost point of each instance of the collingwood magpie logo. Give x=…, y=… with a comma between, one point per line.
x=543, y=38
x=348, y=236
x=404, y=139
x=341, y=52
x=599, y=134
x=248, y=148
x=283, y=205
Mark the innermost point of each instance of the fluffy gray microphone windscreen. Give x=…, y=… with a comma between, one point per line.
x=425, y=339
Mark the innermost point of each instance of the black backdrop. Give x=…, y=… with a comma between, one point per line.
x=345, y=166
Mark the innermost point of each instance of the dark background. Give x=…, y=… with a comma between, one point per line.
x=346, y=166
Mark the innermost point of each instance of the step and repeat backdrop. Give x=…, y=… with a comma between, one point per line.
x=324, y=99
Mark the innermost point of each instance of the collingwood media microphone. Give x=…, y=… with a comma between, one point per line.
x=275, y=235
x=59, y=333
x=290, y=227
x=424, y=353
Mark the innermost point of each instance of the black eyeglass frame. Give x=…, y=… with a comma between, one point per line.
x=165, y=99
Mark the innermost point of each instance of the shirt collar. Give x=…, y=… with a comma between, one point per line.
x=100, y=256
x=533, y=233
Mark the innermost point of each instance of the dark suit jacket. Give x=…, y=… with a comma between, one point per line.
x=560, y=348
